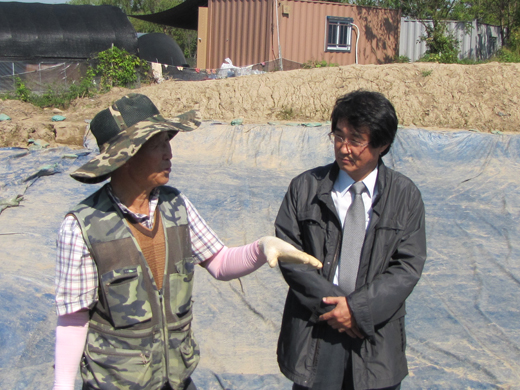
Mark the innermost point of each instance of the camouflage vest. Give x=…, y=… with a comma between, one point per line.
x=139, y=337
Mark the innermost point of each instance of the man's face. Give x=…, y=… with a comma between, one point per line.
x=353, y=152
x=150, y=167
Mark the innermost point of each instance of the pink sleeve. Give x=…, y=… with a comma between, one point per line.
x=71, y=336
x=231, y=263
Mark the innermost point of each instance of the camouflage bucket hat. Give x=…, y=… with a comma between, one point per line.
x=122, y=129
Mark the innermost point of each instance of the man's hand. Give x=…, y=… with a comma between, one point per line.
x=340, y=317
x=276, y=250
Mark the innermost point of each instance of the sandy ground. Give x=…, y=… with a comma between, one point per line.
x=426, y=95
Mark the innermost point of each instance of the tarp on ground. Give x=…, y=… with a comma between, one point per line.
x=463, y=322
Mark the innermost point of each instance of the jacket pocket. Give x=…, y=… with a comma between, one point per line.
x=126, y=296
x=387, y=353
x=403, y=334
x=312, y=230
x=391, y=228
x=181, y=288
x=311, y=217
x=388, y=234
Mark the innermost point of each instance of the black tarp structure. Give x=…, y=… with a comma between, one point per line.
x=31, y=31
x=463, y=318
x=49, y=45
x=185, y=15
x=161, y=48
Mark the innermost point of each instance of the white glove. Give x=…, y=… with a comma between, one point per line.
x=276, y=250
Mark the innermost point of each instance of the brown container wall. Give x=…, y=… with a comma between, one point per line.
x=303, y=32
x=239, y=30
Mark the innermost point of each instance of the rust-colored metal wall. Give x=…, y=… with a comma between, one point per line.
x=303, y=32
x=246, y=32
x=240, y=30
x=202, y=38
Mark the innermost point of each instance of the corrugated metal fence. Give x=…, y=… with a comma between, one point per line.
x=478, y=42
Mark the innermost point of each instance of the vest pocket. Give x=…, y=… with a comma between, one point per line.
x=116, y=368
x=126, y=296
x=181, y=287
x=184, y=353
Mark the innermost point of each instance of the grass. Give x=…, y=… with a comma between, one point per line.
x=54, y=96
x=286, y=113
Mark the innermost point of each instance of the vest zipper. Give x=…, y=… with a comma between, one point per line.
x=164, y=330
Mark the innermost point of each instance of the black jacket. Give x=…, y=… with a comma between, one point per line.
x=391, y=263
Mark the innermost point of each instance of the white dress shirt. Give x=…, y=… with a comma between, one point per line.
x=343, y=198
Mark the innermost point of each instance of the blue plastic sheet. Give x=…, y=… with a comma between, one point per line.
x=463, y=322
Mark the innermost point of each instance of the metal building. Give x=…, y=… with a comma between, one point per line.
x=289, y=31
x=477, y=41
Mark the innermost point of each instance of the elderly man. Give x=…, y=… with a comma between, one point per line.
x=126, y=257
x=343, y=325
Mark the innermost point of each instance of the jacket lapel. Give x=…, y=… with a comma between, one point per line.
x=325, y=184
x=379, y=202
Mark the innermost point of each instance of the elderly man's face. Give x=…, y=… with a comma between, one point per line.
x=150, y=167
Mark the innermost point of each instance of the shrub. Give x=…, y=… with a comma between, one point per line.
x=444, y=58
x=21, y=91
x=507, y=55
x=317, y=64
x=513, y=42
x=441, y=45
x=117, y=67
x=286, y=113
x=401, y=59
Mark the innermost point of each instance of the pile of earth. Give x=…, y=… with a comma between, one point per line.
x=427, y=95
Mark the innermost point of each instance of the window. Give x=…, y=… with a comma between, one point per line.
x=339, y=33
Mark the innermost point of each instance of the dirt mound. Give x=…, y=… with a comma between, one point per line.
x=427, y=95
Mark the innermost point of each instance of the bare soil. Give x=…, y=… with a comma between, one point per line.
x=426, y=95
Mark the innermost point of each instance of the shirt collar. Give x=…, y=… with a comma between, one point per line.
x=154, y=195
x=344, y=181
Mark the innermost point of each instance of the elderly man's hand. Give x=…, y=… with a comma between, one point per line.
x=276, y=250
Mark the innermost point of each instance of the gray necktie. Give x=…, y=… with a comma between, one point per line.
x=353, y=237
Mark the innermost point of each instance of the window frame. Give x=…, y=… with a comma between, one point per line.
x=339, y=23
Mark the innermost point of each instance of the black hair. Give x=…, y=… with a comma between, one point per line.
x=366, y=109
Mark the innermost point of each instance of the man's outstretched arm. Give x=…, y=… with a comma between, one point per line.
x=231, y=263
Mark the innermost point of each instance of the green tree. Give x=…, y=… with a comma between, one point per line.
x=503, y=13
x=441, y=45
x=394, y=4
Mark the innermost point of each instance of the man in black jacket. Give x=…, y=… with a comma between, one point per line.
x=343, y=325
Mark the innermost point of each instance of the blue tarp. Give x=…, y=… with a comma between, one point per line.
x=463, y=322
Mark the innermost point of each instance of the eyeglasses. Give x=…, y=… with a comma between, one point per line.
x=339, y=141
